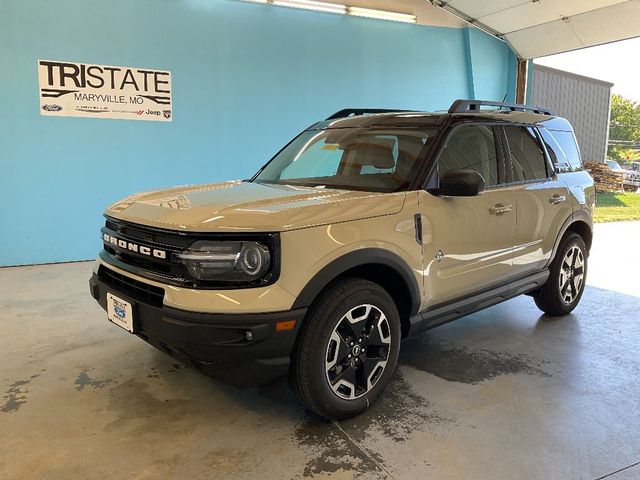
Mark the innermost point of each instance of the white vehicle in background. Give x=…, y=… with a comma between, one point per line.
x=634, y=175
x=630, y=178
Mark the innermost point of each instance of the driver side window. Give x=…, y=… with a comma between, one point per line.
x=471, y=147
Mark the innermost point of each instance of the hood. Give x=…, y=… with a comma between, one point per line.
x=246, y=206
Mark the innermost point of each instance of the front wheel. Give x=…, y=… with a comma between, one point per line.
x=565, y=285
x=348, y=349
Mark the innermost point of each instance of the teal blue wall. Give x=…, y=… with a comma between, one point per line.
x=486, y=56
x=246, y=78
x=529, y=92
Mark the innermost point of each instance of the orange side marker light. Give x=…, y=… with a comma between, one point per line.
x=284, y=325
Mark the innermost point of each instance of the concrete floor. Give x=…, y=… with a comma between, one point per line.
x=502, y=394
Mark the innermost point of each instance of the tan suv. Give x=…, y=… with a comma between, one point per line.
x=367, y=227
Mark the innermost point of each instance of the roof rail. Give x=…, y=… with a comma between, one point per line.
x=462, y=106
x=347, y=112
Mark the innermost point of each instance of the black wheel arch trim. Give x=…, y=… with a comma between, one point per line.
x=359, y=258
x=577, y=216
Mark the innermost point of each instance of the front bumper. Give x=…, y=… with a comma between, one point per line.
x=219, y=345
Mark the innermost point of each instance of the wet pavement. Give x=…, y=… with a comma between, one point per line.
x=502, y=394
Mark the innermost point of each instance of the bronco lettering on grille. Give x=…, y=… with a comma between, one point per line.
x=134, y=247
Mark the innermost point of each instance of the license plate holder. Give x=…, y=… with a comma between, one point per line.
x=120, y=312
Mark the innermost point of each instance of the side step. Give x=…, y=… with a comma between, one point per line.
x=447, y=312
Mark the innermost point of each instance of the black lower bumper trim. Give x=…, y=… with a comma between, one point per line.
x=239, y=349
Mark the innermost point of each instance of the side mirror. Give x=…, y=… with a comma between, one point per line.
x=460, y=183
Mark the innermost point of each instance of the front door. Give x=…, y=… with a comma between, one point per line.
x=468, y=241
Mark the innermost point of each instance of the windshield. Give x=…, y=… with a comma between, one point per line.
x=613, y=165
x=383, y=160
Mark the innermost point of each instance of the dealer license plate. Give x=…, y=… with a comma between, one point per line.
x=120, y=312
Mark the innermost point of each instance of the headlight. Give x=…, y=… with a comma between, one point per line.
x=227, y=261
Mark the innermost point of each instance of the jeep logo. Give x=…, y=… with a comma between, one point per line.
x=134, y=247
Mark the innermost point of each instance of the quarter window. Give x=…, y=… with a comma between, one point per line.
x=569, y=145
x=527, y=157
x=556, y=154
x=471, y=147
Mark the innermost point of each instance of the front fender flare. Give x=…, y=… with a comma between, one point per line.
x=357, y=258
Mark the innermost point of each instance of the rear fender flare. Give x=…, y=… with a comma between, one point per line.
x=577, y=216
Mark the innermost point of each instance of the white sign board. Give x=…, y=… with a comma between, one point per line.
x=69, y=89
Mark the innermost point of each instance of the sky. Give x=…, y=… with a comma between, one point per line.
x=614, y=62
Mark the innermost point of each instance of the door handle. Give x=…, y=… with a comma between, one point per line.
x=500, y=209
x=556, y=199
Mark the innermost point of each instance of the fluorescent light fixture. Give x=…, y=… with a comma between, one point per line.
x=381, y=15
x=312, y=5
x=341, y=9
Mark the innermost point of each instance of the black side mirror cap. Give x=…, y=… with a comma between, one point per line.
x=460, y=183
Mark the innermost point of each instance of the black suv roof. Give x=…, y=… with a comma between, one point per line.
x=507, y=112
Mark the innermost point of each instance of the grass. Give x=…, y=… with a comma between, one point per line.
x=617, y=207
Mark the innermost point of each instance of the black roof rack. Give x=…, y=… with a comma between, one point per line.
x=347, y=112
x=462, y=106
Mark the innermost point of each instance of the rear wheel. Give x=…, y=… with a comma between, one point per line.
x=348, y=350
x=565, y=285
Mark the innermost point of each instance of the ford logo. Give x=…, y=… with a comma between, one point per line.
x=52, y=108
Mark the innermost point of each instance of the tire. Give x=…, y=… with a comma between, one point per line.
x=564, y=287
x=323, y=361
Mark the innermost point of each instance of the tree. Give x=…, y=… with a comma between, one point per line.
x=624, y=127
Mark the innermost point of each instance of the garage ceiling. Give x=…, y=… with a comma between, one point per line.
x=533, y=28
x=425, y=12
x=536, y=28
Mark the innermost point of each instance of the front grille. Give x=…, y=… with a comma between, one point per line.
x=135, y=289
x=147, y=237
x=166, y=268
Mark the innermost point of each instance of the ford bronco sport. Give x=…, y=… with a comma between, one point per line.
x=367, y=227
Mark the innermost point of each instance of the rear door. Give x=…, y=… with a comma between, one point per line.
x=542, y=199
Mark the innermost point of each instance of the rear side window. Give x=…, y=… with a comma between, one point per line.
x=471, y=147
x=569, y=145
x=556, y=154
x=527, y=157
